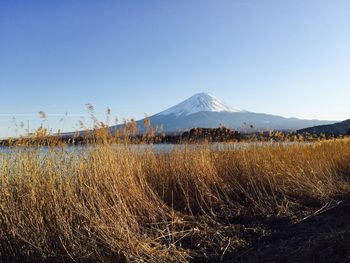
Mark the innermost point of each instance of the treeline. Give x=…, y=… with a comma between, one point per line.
x=221, y=134
x=195, y=135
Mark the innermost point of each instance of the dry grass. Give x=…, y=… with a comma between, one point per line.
x=109, y=203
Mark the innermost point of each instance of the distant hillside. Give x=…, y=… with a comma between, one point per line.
x=340, y=128
x=206, y=111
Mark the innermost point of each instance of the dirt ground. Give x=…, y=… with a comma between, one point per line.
x=323, y=236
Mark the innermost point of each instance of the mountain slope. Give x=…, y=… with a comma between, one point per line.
x=340, y=128
x=206, y=111
x=198, y=103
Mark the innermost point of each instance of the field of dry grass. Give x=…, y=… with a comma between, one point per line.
x=108, y=203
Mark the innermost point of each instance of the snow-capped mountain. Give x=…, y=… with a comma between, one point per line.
x=197, y=103
x=206, y=111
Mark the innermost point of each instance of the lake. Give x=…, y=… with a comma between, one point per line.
x=163, y=148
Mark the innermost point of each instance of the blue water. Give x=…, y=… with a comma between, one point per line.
x=157, y=148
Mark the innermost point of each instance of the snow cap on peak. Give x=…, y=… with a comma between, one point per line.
x=198, y=103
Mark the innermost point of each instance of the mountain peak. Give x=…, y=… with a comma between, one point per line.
x=198, y=103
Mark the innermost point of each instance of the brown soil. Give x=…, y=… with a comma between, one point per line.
x=323, y=236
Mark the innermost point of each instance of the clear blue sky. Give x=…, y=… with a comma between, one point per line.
x=290, y=58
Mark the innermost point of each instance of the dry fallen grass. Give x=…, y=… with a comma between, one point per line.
x=109, y=203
